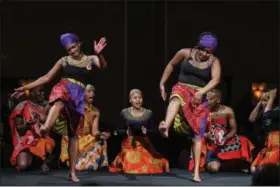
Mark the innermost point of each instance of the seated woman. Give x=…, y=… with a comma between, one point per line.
x=270, y=122
x=138, y=156
x=92, y=153
x=25, y=121
x=221, y=143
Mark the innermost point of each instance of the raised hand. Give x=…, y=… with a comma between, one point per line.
x=18, y=92
x=98, y=47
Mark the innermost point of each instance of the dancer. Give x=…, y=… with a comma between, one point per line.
x=270, y=120
x=68, y=96
x=92, y=144
x=138, y=156
x=25, y=122
x=222, y=143
x=200, y=73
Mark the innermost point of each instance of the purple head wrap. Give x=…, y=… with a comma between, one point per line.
x=68, y=39
x=208, y=41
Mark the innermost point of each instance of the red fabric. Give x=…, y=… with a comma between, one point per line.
x=193, y=115
x=30, y=140
x=59, y=91
x=244, y=152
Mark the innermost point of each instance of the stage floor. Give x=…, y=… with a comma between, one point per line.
x=103, y=178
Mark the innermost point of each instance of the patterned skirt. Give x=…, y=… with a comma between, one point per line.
x=190, y=119
x=269, y=154
x=72, y=93
x=92, y=153
x=139, y=157
x=238, y=147
x=39, y=147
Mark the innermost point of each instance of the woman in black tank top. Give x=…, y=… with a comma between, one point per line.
x=200, y=73
x=68, y=95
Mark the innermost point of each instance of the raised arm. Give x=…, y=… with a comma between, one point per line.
x=272, y=96
x=179, y=56
x=232, y=124
x=255, y=113
x=40, y=81
x=98, y=59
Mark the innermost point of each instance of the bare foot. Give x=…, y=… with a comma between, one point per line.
x=253, y=169
x=245, y=171
x=196, y=178
x=73, y=177
x=163, y=129
x=43, y=130
x=45, y=168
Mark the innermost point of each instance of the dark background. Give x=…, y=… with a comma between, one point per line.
x=142, y=37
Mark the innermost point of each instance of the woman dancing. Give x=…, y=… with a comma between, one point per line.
x=92, y=144
x=68, y=96
x=200, y=73
x=138, y=156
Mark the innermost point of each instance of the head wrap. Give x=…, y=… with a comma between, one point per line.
x=90, y=86
x=208, y=41
x=133, y=91
x=68, y=39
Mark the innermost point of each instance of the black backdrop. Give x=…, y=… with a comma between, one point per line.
x=142, y=37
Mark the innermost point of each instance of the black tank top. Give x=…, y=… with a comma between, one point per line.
x=78, y=73
x=190, y=74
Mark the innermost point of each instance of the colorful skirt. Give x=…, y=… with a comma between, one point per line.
x=72, y=93
x=190, y=119
x=238, y=147
x=39, y=147
x=92, y=154
x=269, y=154
x=138, y=156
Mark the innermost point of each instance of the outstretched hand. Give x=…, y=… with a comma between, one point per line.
x=18, y=92
x=98, y=47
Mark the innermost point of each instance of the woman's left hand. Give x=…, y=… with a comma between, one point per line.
x=197, y=98
x=98, y=47
x=105, y=135
x=144, y=130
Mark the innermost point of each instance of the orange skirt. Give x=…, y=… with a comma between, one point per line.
x=138, y=156
x=39, y=147
x=269, y=154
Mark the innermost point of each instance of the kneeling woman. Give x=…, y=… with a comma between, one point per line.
x=138, y=156
x=92, y=152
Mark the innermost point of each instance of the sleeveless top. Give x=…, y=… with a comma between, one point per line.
x=190, y=74
x=73, y=72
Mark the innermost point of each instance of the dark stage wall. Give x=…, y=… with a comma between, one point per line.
x=142, y=38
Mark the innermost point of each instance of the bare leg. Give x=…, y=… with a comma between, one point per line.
x=213, y=166
x=24, y=160
x=196, y=154
x=73, y=151
x=172, y=110
x=53, y=114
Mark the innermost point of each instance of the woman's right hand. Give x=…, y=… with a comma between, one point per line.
x=18, y=92
x=162, y=91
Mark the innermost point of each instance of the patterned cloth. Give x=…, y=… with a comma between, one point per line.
x=138, y=156
x=36, y=145
x=92, y=150
x=72, y=93
x=238, y=147
x=269, y=154
x=190, y=119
